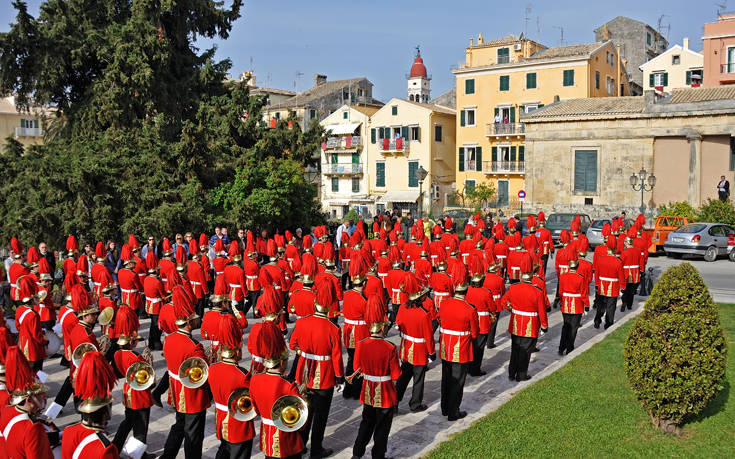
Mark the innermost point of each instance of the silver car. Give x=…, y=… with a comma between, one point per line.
x=594, y=232
x=707, y=239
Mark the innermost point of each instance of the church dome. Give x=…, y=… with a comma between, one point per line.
x=418, y=69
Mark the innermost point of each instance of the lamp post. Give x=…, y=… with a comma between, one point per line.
x=421, y=174
x=642, y=186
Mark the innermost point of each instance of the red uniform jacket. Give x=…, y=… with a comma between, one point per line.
x=176, y=348
x=70, y=266
x=377, y=359
x=393, y=283
x=167, y=319
x=195, y=275
x=235, y=279
x=210, y=326
x=633, y=264
x=482, y=300
x=206, y=267
x=301, y=303
x=540, y=284
x=465, y=247
x=224, y=378
x=353, y=309
x=68, y=320
x=383, y=267
x=515, y=259
x=31, y=339
x=15, y=272
x=133, y=399
x=585, y=269
x=154, y=294
x=288, y=275
x=610, y=276
x=78, y=335
x=441, y=284
x=373, y=286
x=574, y=293
x=417, y=335
x=99, y=448
x=642, y=244
x=496, y=285
x=527, y=308
x=320, y=346
x=501, y=251
x=130, y=288
x=100, y=277
x=422, y=265
x=251, y=270
x=561, y=261
x=25, y=439
x=165, y=266
x=292, y=253
x=459, y=325
x=545, y=241
x=46, y=309
x=278, y=276
x=265, y=389
x=105, y=302
x=334, y=280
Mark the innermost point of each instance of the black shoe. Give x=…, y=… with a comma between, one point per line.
x=459, y=415
x=561, y=352
x=622, y=308
x=157, y=400
x=630, y=306
x=548, y=309
x=419, y=408
x=479, y=373
x=608, y=325
x=597, y=325
x=325, y=452
x=155, y=346
x=64, y=363
x=444, y=413
x=511, y=377
x=523, y=378
x=491, y=346
x=535, y=349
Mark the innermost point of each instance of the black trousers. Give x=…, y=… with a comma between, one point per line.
x=114, y=347
x=66, y=391
x=493, y=329
x=545, y=261
x=295, y=456
x=252, y=298
x=520, y=356
x=629, y=293
x=189, y=429
x=452, y=388
x=162, y=386
x=569, y=331
x=376, y=423
x=199, y=309
x=606, y=308
x=478, y=352
x=346, y=284
x=227, y=450
x=393, y=312
x=294, y=365
x=320, y=400
x=418, y=373
x=135, y=420
x=154, y=335
x=352, y=390
x=37, y=365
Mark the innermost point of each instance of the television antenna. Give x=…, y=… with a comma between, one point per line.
x=296, y=80
x=526, y=18
x=721, y=7
x=561, y=31
x=663, y=26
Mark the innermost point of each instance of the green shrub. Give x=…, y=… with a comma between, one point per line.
x=717, y=211
x=678, y=209
x=675, y=353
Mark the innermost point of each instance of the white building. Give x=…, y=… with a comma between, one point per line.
x=678, y=67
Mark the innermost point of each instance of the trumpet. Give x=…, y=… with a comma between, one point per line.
x=106, y=316
x=289, y=413
x=79, y=351
x=353, y=376
x=193, y=372
x=240, y=405
x=140, y=376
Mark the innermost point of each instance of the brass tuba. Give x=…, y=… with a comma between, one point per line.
x=289, y=413
x=79, y=351
x=106, y=316
x=140, y=376
x=240, y=405
x=193, y=372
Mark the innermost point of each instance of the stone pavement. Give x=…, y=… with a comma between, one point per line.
x=412, y=434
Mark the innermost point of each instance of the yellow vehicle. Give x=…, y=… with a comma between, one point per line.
x=664, y=225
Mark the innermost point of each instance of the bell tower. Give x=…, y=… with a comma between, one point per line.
x=419, y=87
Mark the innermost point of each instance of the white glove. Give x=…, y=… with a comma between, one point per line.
x=543, y=332
x=340, y=387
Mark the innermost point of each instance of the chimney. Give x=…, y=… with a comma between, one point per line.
x=686, y=43
x=556, y=98
x=319, y=79
x=471, y=42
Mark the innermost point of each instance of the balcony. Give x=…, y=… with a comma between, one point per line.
x=397, y=146
x=28, y=132
x=504, y=167
x=341, y=169
x=727, y=68
x=505, y=130
x=343, y=143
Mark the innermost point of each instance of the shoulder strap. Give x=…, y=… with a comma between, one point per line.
x=83, y=444
x=16, y=419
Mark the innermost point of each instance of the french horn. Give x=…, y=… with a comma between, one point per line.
x=289, y=413
x=140, y=376
x=240, y=405
x=79, y=351
x=193, y=372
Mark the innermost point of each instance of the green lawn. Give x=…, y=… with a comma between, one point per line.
x=586, y=409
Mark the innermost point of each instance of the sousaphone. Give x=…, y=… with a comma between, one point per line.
x=193, y=372
x=106, y=316
x=289, y=413
x=140, y=376
x=79, y=351
x=240, y=405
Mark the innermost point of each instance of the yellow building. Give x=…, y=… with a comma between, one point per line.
x=504, y=79
x=26, y=128
x=678, y=67
x=406, y=135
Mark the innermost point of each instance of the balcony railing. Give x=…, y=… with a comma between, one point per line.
x=28, y=132
x=504, y=167
x=399, y=145
x=343, y=142
x=727, y=68
x=342, y=169
x=505, y=129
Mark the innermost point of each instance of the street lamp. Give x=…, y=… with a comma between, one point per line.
x=642, y=186
x=421, y=174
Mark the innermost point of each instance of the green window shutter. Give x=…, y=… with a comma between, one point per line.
x=478, y=158
x=418, y=133
x=494, y=153
x=469, y=86
x=497, y=110
x=651, y=80
x=372, y=135
x=513, y=153
x=580, y=165
x=355, y=185
x=540, y=105
x=689, y=77
x=412, y=180
x=394, y=110
x=381, y=133
x=521, y=109
x=504, y=82
x=355, y=158
x=591, y=172
x=380, y=174
x=335, y=184
x=521, y=153
x=512, y=114
x=531, y=80
x=568, y=78
x=461, y=117
x=666, y=78
x=404, y=132
x=334, y=159
x=461, y=159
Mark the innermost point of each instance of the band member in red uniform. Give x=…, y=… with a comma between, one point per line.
x=24, y=436
x=266, y=387
x=528, y=315
x=481, y=299
x=417, y=343
x=6, y=340
x=226, y=376
x=268, y=307
x=235, y=278
x=93, y=383
x=355, y=328
x=318, y=343
x=190, y=404
x=31, y=339
x=441, y=283
x=610, y=279
x=154, y=295
x=459, y=326
x=496, y=284
x=16, y=269
x=45, y=308
x=251, y=269
x=220, y=258
x=633, y=265
x=575, y=301
x=377, y=360
x=545, y=241
x=131, y=284
x=197, y=279
x=137, y=403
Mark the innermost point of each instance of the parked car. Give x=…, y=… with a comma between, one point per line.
x=709, y=240
x=660, y=231
x=557, y=222
x=594, y=232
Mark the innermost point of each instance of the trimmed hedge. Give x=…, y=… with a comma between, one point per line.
x=675, y=354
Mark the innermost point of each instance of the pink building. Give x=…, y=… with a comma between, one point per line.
x=719, y=51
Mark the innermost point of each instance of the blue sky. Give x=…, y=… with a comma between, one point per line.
x=376, y=38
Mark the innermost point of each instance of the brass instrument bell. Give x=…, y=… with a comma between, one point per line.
x=240, y=405
x=106, y=316
x=289, y=413
x=140, y=376
x=193, y=372
x=79, y=351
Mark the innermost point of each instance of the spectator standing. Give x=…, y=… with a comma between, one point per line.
x=217, y=235
x=180, y=242
x=344, y=227
x=407, y=223
x=723, y=189
x=225, y=237
x=149, y=246
x=112, y=258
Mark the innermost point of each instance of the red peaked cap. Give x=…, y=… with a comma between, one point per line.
x=576, y=225
x=526, y=265
x=476, y=264
x=99, y=250
x=250, y=243
x=564, y=236
x=27, y=288
x=448, y=223
x=499, y=234
x=436, y=230
x=453, y=245
x=180, y=255
x=374, y=310
x=270, y=248
x=16, y=245
x=71, y=244
x=183, y=309
x=279, y=241
x=203, y=240
x=367, y=254
x=308, y=265
x=270, y=302
x=640, y=220
x=289, y=235
x=230, y=333
x=265, y=277
x=95, y=377
x=458, y=273
x=328, y=252
x=83, y=264
x=572, y=252
x=355, y=239
x=219, y=246
x=70, y=281
x=79, y=298
x=376, y=227
x=270, y=343
x=469, y=229
x=318, y=250
x=345, y=239
x=529, y=243
x=126, y=321
x=132, y=242
x=325, y=294
x=583, y=244
x=306, y=240
x=18, y=373
x=193, y=249
x=531, y=221
x=151, y=259
x=612, y=243
x=512, y=223
x=173, y=278
x=541, y=217
x=615, y=225
x=477, y=237
x=234, y=249
x=411, y=284
x=43, y=266
x=125, y=252
x=33, y=256
x=358, y=265
x=606, y=230
x=166, y=245
x=632, y=232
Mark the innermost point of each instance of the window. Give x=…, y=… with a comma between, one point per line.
x=530, y=107
x=29, y=124
x=469, y=185
x=659, y=79
x=675, y=59
x=413, y=181
x=355, y=158
x=649, y=39
x=345, y=115
x=610, y=86
x=360, y=92
x=380, y=208
x=345, y=95
x=612, y=59
x=467, y=117
x=278, y=115
x=394, y=110
x=505, y=82
x=597, y=80
x=335, y=184
x=437, y=133
x=607, y=57
x=568, y=78
x=380, y=175
x=469, y=86
x=585, y=171
x=355, y=184
x=503, y=55
x=312, y=113
x=472, y=158
x=414, y=132
x=694, y=77
x=531, y=80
